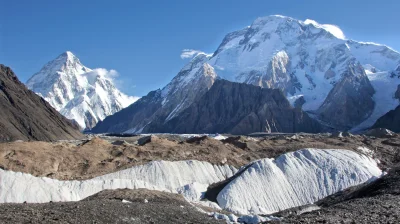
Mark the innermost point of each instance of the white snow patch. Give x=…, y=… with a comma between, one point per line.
x=207, y=203
x=249, y=219
x=214, y=136
x=293, y=99
x=366, y=151
x=219, y=137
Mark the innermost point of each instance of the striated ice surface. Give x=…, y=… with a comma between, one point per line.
x=158, y=175
x=267, y=186
x=294, y=179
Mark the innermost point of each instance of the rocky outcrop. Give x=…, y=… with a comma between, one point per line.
x=146, y=139
x=184, y=89
x=395, y=73
x=299, y=102
x=350, y=101
x=380, y=133
x=26, y=116
x=241, y=109
x=397, y=93
x=391, y=120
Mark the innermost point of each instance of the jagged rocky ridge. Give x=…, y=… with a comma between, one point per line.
x=26, y=116
x=350, y=100
x=159, y=106
x=302, y=58
x=79, y=93
x=240, y=109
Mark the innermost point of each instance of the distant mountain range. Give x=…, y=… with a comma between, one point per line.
x=344, y=84
x=79, y=93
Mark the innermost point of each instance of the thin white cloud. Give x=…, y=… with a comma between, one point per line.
x=333, y=29
x=102, y=72
x=190, y=53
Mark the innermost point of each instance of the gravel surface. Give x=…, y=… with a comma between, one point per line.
x=142, y=206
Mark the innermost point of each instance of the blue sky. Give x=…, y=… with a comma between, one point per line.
x=143, y=40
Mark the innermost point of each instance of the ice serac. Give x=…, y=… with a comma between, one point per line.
x=239, y=108
x=79, y=93
x=26, y=116
x=158, y=175
x=295, y=179
x=304, y=59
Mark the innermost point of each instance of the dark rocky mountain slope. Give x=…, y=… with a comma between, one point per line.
x=239, y=108
x=26, y=116
x=350, y=100
x=391, y=120
x=159, y=106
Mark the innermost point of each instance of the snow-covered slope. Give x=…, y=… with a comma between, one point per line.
x=176, y=177
x=295, y=179
x=303, y=58
x=79, y=93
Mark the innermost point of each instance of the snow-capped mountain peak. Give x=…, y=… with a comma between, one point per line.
x=333, y=29
x=79, y=93
x=311, y=62
x=66, y=66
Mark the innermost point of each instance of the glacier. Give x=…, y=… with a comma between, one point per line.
x=186, y=177
x=266, y=186
x=295, y=179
